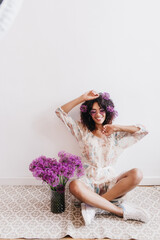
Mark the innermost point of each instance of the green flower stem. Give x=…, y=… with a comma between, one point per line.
x=60, y=179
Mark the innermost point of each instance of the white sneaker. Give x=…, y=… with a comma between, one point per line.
x=134, y=213
x=88, y=213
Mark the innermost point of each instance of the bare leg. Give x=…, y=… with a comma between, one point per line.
x=126, y=182
x=84, y=194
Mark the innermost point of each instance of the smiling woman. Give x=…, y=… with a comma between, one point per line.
x=101, y=142
x=8, y=12
x=105, y=115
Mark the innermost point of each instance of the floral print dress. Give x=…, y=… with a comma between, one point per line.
x=99, y=155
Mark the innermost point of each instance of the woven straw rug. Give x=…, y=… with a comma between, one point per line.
x=25, y=213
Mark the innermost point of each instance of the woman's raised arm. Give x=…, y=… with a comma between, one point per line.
x=85, y=97
x=75, y=127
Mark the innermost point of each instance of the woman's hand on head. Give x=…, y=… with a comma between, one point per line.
x=90, y=95
x=108, y=129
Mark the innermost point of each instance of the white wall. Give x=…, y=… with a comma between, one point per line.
x=56, y=51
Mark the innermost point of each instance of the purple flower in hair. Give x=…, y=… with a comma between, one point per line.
x=83, y=108
x=105, y=95
x=110, y=109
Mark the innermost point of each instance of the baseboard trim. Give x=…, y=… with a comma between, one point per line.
x=150, y=181
x=33, y=181
x=20, y=181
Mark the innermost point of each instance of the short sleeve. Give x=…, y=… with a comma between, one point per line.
x=75, y=127
x=126, y=139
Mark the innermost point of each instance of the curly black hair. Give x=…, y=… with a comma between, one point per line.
x=86, y=118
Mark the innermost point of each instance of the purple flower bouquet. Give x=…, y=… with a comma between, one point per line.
x=56, y=174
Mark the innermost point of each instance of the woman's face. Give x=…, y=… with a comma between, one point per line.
x=98, y=114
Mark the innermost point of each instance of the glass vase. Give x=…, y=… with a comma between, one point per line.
x=57, y=201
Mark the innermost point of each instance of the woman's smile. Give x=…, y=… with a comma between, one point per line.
x=98, y=114
x=99, y=118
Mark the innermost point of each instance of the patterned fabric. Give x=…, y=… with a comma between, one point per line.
x=99, y=155
x=25, y=213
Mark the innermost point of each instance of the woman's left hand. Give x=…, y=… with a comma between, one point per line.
x=108, y=129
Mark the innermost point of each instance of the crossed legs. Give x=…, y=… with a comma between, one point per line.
x=125, y=182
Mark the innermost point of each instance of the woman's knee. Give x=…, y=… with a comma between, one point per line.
x=74, y=186
x=136, y=175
